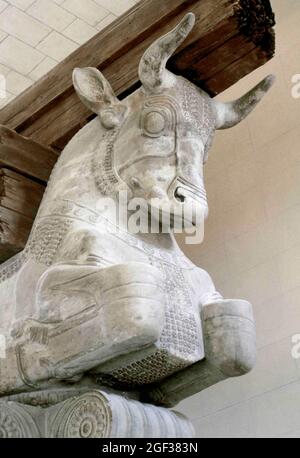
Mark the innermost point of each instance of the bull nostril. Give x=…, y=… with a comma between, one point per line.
x=178, y=196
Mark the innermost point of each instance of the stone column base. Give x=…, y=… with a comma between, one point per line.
x=94, y=414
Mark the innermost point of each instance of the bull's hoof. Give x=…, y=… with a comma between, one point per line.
x=229, y=336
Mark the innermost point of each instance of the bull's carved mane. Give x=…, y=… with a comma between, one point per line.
x=103, y=168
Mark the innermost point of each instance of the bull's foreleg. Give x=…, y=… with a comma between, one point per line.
x=230, y=347
x=88, y=316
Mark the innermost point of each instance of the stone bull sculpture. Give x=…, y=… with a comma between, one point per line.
x=128, y=311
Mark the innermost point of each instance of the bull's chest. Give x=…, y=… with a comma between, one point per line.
x=180, y=343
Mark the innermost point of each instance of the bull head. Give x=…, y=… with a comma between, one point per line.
x=164, y=130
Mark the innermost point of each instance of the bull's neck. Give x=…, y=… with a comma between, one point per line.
x=84, y=187
x=116, y=218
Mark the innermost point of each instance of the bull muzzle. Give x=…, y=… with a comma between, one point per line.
x=190, y=199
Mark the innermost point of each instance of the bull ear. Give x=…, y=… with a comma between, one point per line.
x=231, y=113
x=97, y=94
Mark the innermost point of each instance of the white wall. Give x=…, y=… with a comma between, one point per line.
x=252, y=248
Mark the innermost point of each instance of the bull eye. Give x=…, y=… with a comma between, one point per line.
x=154, y=123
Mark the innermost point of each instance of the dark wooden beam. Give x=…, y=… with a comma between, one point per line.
x=25, y=167
x=231, y=38
x=25, y=155
x=20, y=198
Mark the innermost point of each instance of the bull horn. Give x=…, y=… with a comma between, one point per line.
x=231, y=113
x=152, y=68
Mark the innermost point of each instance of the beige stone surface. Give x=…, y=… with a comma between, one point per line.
x=21, y=4
x=56, y=46
x=16, y=83
x=19, y=56
x=47, y=12
x=106, y=21
x=256, y=226
x=3, y=5
x=117, y=7
x=79, y=31
x=2, y=35
x=20, y=25
x=43, y=68
x=4, y=70
x=88, y=10
x=37, y=34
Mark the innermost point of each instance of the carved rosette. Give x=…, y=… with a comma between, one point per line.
x=87, y=416
x=16, y=422
x=94, y=414
x=9, y=425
